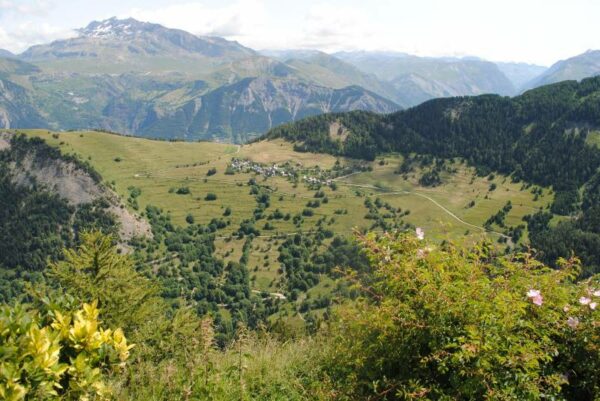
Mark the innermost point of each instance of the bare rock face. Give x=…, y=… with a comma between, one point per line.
x=4, y=141
x=73, y=184
x=58, y=176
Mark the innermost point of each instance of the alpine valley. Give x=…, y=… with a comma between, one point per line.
x=186, y=218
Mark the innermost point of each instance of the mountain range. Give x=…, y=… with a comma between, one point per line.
x=578, y=67
x=145, y=79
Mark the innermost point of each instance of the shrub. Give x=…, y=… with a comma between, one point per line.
x=210, y=172
x=210, y=197
x=183, y=191
x=54, y=354
x=448, y=323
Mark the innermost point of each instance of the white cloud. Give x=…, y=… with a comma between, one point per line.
x=236, y=20
x=34, y=8
x=333, y=27
x=28, y=33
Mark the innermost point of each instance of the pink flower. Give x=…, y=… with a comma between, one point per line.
x=420, y=233
x=593, y=305
x=535, y=296
x=597, y=293
x=584, y=300
x=566, y=308
x=572, y=322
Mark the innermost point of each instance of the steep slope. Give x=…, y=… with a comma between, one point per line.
x=332, y=72
x=576, y=68
x=6, y=54
x=520, y=73
x=17, y=108
x=254, y=105
x=32, y=165
x=10, y=66
x=539, y=136
x=421, y=78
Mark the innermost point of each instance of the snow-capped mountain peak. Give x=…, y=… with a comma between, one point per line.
x=114, y=27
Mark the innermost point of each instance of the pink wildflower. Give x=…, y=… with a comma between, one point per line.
x=572, y=322
x=535, y=296
x=593, y=305
x=420, y=233
x=566, y=308
x=597, y=293
x=584, y=301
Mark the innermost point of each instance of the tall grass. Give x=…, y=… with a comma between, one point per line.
x=255, y=367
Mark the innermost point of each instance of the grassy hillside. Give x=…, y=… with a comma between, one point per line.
x=460, y=205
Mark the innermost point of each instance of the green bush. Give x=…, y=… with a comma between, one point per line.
x=442, y=323
x=189, y=219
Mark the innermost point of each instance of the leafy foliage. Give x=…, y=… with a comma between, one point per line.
x=447, y=323
x=53, y=354
x=95, y=271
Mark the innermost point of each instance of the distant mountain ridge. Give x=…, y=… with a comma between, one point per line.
x=417, y=79
x=135, y=77
x=139, y=38
x=252, y=106
x=6, y=54
x=575, y=68
x=520, y=73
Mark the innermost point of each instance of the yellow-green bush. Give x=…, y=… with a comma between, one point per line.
x=446, y=323
x=52, y=354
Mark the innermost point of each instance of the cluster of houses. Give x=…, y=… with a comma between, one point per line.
x=286, y=170
x=250, y=166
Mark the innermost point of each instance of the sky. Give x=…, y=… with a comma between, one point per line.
x=532, y=31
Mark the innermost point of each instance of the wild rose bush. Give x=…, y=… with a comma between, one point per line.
x=446, y=323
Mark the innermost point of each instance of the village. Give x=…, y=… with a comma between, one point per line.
x=294, y=173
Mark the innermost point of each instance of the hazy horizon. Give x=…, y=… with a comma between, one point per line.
x=536, y=31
